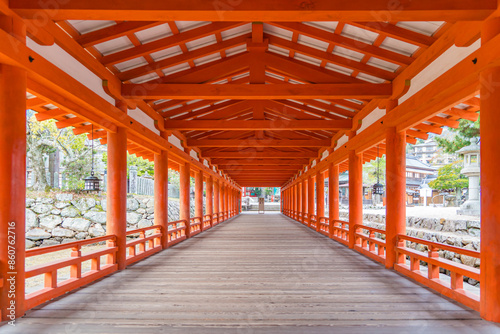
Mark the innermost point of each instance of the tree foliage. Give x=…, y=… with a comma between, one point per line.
x=465, y=131
x=449, y=177
x=44, y=138
x=370, y=171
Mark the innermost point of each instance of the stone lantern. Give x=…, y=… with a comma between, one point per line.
x=472, y=170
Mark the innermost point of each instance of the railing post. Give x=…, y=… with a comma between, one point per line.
x=185, y=201
x=12, y=178
x=355, y=193
x=198, y=196
x=395, y=189
x=161, y=193
x=117, y=189
x=333, y=194
x=490, y=179
x=320, y=198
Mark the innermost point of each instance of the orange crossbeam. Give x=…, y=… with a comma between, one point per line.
x=260, y=10
x=258, y=143
x=257, y=91
x=278, y=125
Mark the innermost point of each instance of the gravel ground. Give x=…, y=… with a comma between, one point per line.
x=429, y=212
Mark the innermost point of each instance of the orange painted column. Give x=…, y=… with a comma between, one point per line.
x=185, y=200
x=355, y=193
x=226, y=201
x=221, y=199
x=320, y=197
x=161, y=194
x=198, y=196
x=209, y=210
x=216, y=208
x=304, y=199
x=294, y=201
x=310, y=198
x=13, y=181
x=333, y=194
x=117, y=189
x=490, y=180
x=299, y=200
x=396, y=191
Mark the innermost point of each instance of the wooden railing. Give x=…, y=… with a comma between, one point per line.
x=368, y=243
x=215, y=219
x=452, y=289
x=305, y=219
x=339, y=231
x=207, y=222
x=144, y=245
x=196, y=225
x=313, y=221
x=324, y=226
x=176, y=232
x=54, y=287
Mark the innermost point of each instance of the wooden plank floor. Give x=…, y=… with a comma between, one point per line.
x=254, y=274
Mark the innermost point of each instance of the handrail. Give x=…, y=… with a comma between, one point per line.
x=54, y=288
x=143, y=246
x=196, y=225
x=176, y=234
x=339, y=230
x=454, y=288
x=313, y=221
x=207, y=222
x=370, y=245
x=324, y=225
x=55, y=248
x=215, y=219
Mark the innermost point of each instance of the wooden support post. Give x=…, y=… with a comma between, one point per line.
x=304, y=201
x=299, y=201
x=320, y=198
x=226, y=200
x=490, y=179
x=310, y=198
x=221, y=199
x=117, y=189
x=333, y=195
x=198, y=196
x=216, y=208
x=395, y=189
x=294, y=201
x=185, y=200
x=355, y=193
x=161, y=194
x=12, y=180
x=210, y=199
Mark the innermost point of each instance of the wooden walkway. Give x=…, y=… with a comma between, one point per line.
x=254, y=274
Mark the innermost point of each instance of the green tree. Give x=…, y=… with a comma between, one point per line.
x=449, y=177
x=370, y=171
x=465, y=131
x=44, y=138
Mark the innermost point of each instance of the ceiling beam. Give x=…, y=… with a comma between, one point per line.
x=258, y=125
x=257, y=91
x=260, y=155
x=259, y=10
x=229, y=168
x=257, y=162
x=259, y=143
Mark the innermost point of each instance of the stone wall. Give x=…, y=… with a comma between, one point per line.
x=459, y=233
x=67, y=217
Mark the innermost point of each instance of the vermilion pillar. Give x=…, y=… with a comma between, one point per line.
x=333, y=194
x=198, y=195
x=117, y=189
x=395, y=189
x=12, y=180
x=226, y=202
x=320, y=197
x=210, y=199
x=490, y=181
x=161, y=194
x=221, y=198
x=355, y=193
x=216, y=198
x=185, y=214
x=299, y=200
x=310, y=198
x=294, y=201
x=304, y=200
